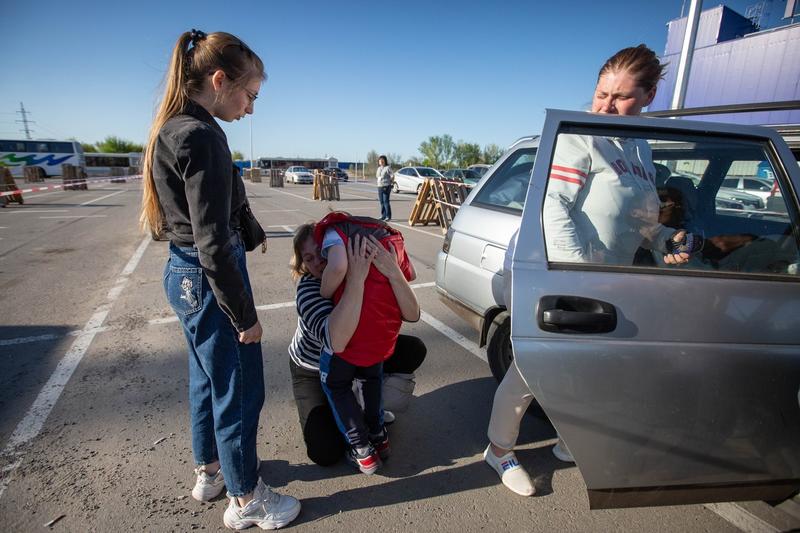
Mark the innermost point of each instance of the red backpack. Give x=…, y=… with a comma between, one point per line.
x=380, y=320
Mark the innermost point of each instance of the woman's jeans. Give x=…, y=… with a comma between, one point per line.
x=383, y=197
x=226, y=378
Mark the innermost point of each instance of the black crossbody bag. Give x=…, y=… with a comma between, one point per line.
x=252, y=232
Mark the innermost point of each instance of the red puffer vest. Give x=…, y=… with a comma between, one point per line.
x=380, y=320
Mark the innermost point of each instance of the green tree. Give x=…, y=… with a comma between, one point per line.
x=372, y=163
x=438, y=151
x=466, y=154
x=491, y=153
x=237, y=155
x=87, y=147
x=395, y=160
x=118, y=145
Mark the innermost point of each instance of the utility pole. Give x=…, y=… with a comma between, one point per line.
x=687, y=51
x=24, y=121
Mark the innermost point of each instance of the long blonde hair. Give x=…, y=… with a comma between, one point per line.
x=188, y=69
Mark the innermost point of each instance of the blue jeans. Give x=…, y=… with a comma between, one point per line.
x=226, y=378
x=383, y=197
x=336, y=376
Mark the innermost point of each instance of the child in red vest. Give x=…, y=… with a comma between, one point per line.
x=371, y=343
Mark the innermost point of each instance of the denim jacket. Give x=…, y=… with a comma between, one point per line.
x=201, y=198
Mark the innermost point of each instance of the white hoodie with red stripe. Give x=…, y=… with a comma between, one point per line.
x=601, y=201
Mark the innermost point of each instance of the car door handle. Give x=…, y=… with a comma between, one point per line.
x=575, y=314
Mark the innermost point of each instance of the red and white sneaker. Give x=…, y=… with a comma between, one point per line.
x=365, y=459
x=381, y=444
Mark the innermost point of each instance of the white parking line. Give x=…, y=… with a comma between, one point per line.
x=293, y=194
x=104, y=197
x=741, y=518
x=78, y=216
x=39, y=211
x=268, y=307
x=51, y=336
x=418, y=230
x=454, y=336
x=30, y=426
x=278, y=210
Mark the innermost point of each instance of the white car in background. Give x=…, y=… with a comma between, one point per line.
x=409, y=179
x=299, y=174
x=760, y=187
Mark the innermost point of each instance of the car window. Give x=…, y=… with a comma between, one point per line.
x=659, y=186
x=732, y=183
x=755, y=185
x=507, y=187
x=428, y=172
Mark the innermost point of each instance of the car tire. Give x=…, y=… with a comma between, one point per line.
x=396, y=188
x=418, y=188
x=498, y=348
x=501, y=356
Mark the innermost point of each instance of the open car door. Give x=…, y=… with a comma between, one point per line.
x=669, y=384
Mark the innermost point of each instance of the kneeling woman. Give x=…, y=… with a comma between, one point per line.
x=321, y=324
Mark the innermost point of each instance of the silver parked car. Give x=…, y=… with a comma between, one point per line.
x=668, y=384
x=298, y=174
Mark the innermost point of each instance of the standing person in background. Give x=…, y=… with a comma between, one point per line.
x=385, y=178
x=192, y=195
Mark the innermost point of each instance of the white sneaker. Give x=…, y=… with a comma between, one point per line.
x=510, y=471
x=388, y=417
x=561, y=451
x=207, y=487
x=267, y=510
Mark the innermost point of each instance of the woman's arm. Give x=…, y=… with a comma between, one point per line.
x=345, y=316
x=386, y=263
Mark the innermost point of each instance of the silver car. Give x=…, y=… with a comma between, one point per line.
x=669, y=385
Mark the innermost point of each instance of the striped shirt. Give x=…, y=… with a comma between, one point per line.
x=312, y=335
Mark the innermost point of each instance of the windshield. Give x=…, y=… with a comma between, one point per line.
x=428, y=172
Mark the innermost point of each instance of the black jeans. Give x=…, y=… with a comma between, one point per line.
x=325, y=444
x=383, y=197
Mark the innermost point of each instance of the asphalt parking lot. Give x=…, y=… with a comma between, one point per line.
x=93, y=387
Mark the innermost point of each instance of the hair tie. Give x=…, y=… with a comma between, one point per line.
x=197, y=36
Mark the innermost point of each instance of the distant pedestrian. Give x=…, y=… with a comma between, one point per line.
x=385, y=178
x=193, y=197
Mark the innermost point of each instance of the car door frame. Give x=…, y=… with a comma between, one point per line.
x=618, y=445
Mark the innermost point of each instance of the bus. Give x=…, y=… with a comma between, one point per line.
x=98, y=164
x=46, y=154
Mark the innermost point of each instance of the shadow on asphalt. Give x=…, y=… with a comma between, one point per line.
x=440, y=430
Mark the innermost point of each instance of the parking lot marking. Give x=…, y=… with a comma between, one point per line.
x=51, y=336
x=741, y=518
x=104, y=197
x=454, y=336
x=293, y=194
x=278, y=210
x=33, y=421
x=268, y=307
x=78, y=216
x=418, y=230
x=15, y=212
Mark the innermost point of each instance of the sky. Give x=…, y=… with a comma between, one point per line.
x=344, y=77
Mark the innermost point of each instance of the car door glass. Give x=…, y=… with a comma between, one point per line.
x=507, y=187
x=619, y=201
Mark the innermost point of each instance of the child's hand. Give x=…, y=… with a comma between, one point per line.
x=359, y=258
x=385, y=260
